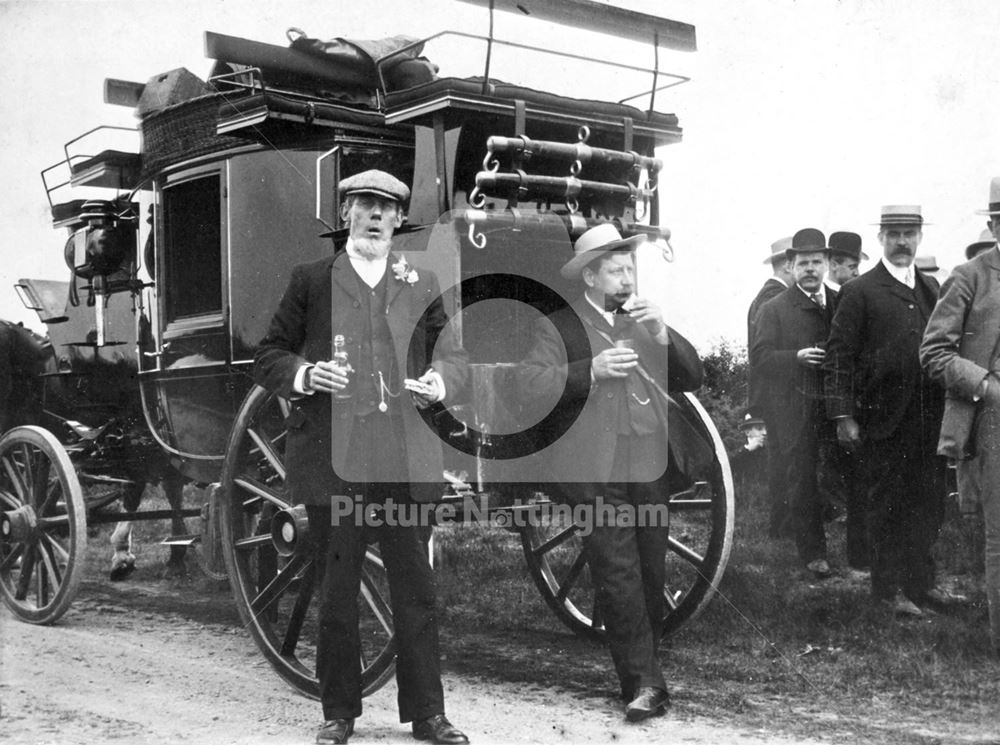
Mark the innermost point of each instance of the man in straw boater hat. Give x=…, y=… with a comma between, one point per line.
x=779, y=518
x=961, y=350
x=378, y=453
x=610, y=390
x=888, y=413
x=787, y=352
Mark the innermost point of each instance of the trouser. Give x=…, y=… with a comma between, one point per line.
x=779, y=515
x=627, y=566
x=802, y=463
x=904, y=487
x=984, y=469
x=339, y=551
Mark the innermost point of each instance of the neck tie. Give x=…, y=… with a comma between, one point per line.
x=908, y=277
x=818, y=299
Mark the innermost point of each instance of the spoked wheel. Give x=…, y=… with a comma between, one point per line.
x=701, y=532
x=43, y=525
x=276, y=592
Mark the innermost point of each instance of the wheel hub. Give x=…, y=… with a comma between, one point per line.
x=17, y=526
x=290, y=530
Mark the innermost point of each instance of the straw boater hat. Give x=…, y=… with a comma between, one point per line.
x=994, y=208
x=778, y=249
x=375, y=182
x=807, y=241
x=844, y=243
x=926, y=264
x=986, y=240
x=901, y=214
x=593, y=244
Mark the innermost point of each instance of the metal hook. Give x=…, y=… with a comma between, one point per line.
x=479, y=242
x=583, y=133
x=490, y=163
x=575, y=167
x=477, y=199
x=573, y=206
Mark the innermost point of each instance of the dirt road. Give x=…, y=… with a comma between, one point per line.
x=144, y=663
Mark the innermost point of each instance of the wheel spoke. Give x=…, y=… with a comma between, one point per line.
x=376, y=601
x=686, y=552
x=267, y=450
x=557, y=540
x=27, y=568
x=252, y=543
x=298, y=615
x=572, y=576
x=28, y=474
x=40, y=484
x=58, y=552
x=266, y=493
x=51, y=566
x=11, y=559
x=14, y=474
x=277, y=587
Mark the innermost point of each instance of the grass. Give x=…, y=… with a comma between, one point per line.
x=775, y=650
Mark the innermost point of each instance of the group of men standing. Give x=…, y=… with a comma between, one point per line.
x=856, y=379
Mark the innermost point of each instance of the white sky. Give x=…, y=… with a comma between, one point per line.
x=799, y=114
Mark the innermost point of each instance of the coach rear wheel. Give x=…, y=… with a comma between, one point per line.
x=701, y=532
x=276, y=594
x=43, y=529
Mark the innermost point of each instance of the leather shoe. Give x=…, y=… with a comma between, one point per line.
x=335, y=731
x=648, y=702
x=438, y=729
x=900, y=605
x=944, y=598
x=820, y=568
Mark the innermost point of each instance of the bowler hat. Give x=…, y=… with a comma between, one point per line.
x=986, y=240
x=807, y=241
x=375, y=182
x=901, y=214
x=778, y=249
x=751, y=421
x=594, y=243
x=994, y=206
x=926, y=263
x=847, y=244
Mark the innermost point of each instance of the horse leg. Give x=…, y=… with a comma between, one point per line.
x=123, y=560
x=173, y=488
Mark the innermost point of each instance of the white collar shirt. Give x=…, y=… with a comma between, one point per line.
x=903, y=274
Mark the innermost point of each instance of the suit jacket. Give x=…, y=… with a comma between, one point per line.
x=786, y=389
x=771, y=289
x=322, y=299
x=960, y=344
x=554, y=378
x=872, y=369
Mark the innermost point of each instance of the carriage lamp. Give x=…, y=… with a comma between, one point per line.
x=290, y=530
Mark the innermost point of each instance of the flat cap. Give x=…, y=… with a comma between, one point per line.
x=375, y=182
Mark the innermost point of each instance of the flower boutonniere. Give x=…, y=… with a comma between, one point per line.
x=404, y=272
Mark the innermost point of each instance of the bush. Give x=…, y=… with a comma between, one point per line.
x=724, y=393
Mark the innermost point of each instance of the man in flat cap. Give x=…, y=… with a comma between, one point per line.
x=961, y=350
x=356, y=436
x=887, y=412
x=779, y=518
x=787, y=352
x=609, y=388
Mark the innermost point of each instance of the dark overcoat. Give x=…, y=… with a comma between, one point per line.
x=322, y=299
x=872, y=368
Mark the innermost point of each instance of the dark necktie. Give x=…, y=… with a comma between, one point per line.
x=818, y=299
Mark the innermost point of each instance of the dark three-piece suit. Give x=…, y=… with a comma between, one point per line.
x=352, y=449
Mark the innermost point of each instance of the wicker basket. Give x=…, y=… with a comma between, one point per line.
x=183, y=131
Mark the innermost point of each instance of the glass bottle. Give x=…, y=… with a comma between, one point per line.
x=341, y=361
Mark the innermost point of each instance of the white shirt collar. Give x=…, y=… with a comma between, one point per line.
x=809, y=295
x=369, y=270
x=903, y=274
x=608, y=315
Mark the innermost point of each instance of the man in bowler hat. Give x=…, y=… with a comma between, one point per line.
x=787, y=352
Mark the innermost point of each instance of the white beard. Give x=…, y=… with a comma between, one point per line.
x=370, y=249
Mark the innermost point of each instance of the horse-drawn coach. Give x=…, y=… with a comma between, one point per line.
x=175, y=271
